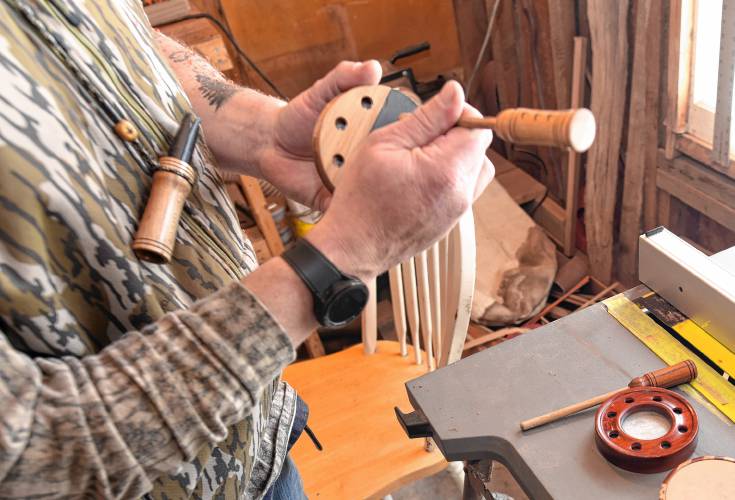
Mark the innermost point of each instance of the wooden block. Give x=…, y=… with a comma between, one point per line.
x=165, y=12
x=550, y=216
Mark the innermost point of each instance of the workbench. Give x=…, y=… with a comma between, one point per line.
x=474, y=407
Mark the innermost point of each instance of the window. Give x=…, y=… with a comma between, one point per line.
x=706, y=18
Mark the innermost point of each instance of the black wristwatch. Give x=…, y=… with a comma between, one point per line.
x=338, y=298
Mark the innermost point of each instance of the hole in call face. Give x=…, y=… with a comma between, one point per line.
x=646, y=424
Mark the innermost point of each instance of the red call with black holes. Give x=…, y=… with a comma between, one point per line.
x=640, y=455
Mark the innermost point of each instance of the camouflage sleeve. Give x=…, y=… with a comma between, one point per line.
x=106, y=425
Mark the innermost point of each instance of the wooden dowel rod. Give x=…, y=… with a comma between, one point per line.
x=669, y=376
x=569, y=410
x=471, y=122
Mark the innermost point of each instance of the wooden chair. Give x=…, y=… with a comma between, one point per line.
x=352, y=393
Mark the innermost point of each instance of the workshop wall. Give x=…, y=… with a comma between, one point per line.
x=296, y=42
x=529, y=63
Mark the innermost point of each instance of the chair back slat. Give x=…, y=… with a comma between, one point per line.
x=369, y=320
x=431, y=297
x=460, y=287
x=435, y=286
x=425, y=312
x=408, y=269
x=398, y=301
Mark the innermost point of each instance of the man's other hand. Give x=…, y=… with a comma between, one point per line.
x=406, y=187
x=289, y=163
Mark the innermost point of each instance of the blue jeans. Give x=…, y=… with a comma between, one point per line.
x=288, y=485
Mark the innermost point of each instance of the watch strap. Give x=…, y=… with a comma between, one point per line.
x=315, y=270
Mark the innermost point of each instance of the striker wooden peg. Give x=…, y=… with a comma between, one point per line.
x=571, y=128
x=350, y=117
x=172, y=183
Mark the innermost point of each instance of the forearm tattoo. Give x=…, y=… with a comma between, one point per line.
x=213, y=85
x=217, y=91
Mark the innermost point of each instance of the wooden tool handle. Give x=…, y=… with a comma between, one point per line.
x=680, y=373
x=573, y=128
x=669, y=376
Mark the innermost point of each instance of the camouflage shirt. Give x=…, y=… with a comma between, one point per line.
x=120, y=378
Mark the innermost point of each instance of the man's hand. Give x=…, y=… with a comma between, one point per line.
x=289, y=163
x=403, y=190
x=254, y=134
x=406, y=187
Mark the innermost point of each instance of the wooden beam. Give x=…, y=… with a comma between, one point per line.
x=694, y=175
x=642, y=147
x=702, y=201
x=609, y=36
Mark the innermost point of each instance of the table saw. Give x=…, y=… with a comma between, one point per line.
x=472, y=409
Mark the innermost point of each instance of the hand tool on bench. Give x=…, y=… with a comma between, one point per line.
x=351, y=116
x=670, y=376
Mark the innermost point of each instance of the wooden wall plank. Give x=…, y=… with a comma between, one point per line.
x=571, y=208
x=699, y=200
x=608, y=33
x=561, y=19
x=641, y=152
x=678, y=69
x=471, y=17
x=297, y=42
x=700, y=187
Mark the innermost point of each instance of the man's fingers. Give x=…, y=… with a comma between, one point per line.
x=429, y=121
x=342, y=78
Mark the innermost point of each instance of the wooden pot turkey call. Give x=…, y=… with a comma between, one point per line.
x=351, y=116
x=670, y=376
x=646, y=454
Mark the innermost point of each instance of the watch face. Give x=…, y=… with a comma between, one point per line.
x=346, y=303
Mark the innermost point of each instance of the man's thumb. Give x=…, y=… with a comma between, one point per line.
x=430, y=120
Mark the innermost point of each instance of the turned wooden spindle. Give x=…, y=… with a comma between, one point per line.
x=572, y=128
x=172, y=183
x=670, y=376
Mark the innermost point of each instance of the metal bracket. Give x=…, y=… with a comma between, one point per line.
x=415, y=424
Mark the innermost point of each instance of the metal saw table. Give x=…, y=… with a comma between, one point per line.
x=473, y=407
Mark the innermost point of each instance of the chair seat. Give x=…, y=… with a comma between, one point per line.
x=351, y=396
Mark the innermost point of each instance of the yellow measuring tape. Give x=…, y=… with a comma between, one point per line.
x=708, y=383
